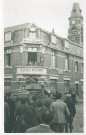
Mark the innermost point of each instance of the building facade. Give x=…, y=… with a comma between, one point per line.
x=30, y=51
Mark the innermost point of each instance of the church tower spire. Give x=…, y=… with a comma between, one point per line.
x=75, y=31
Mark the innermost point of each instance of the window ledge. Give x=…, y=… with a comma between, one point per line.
x=66, y=70
x=8, y=67
x=53, y=68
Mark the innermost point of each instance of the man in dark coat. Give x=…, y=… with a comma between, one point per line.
x=6, y=117
x=72, y=110
x=20, y=113
x=11, y=104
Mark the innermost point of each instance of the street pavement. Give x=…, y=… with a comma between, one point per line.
x=78, y=123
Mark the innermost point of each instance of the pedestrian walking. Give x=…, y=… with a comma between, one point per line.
x=11, y=104
x=60, y=110
x=6, y=118
x=72, y=110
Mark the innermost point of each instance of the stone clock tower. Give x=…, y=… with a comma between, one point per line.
x=75, y=31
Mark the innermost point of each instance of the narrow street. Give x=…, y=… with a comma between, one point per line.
x=79, y=119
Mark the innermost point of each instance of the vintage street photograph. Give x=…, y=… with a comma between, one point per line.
x=43, y=66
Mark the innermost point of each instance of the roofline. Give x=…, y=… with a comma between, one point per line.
x=36, y=26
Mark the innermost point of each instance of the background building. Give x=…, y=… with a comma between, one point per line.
x=30, y=51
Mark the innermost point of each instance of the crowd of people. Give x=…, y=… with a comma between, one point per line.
x=44, y=114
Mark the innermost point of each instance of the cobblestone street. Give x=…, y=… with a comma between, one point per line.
x=79, y=119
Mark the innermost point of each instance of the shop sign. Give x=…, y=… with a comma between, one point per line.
x=30, y=70
x=32, y=40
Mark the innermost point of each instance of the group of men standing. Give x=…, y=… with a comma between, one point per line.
x=44, y=115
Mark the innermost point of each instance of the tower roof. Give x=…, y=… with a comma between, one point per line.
x=76, y=11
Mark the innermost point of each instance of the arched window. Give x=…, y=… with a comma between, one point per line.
x=74, y=34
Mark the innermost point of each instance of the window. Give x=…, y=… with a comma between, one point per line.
x=74, y=34
x=32, y=57
x=53, y=39
x=8, y=36
x=53, y=60
x=76, y=66
x=26, y=33
x=53, y=85
x=66, y=45
x=32, y=49
x=82, y=35
x=81, y=67
x=74, y=10
x=32, y=35
x=67, y=63
x=7, y=82
x=8, y=59
x=66, y=85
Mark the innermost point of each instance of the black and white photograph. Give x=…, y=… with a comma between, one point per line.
x=43, y=66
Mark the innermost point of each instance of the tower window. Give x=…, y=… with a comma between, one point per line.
x=74, y=35
x=74, y=10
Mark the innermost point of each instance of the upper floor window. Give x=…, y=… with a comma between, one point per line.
x=66, y=45
x=66, y=63
x=8, y=59
x=29, y=33
x=26, y=33
x=66, y=85
x=8, y=36
x=32, y=35
x=32, y=58
x=53, y=39
x=76, y=66
x=53, y=60
x=81, y=67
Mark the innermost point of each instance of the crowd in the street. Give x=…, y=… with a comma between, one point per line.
x=43, y=114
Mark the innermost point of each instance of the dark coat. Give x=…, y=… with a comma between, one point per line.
x=71, y=106
x=6, y=117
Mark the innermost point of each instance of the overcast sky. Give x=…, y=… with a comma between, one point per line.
x=46, y=14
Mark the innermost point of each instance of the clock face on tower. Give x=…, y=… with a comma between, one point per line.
x=73, y=22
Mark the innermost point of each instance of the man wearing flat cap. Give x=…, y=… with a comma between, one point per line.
x=72, y=110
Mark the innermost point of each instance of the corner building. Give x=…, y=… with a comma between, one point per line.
x=30, y=51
